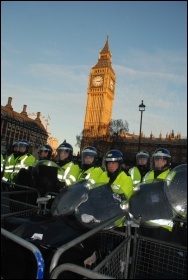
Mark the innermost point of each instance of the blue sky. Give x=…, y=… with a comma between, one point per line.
x=48, y=49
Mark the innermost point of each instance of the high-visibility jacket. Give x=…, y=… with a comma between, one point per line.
x=23, y=161
x=123, y=184
x=9, y=167
x=135, y=175
x=69, y=173
x=150, y=175
x=92, y=174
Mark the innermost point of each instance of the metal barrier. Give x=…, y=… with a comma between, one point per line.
x=115, y=263
x=39, y=272
x=23, y=201
x=18, y=200
x=79, y=270
x=153, y=259
x=118, y=255
x=133, y=257
x=111, y=251
x=20, y=193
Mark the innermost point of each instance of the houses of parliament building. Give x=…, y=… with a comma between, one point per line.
x=100, y=97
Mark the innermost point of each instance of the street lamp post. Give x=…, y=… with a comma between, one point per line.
x=141, y=109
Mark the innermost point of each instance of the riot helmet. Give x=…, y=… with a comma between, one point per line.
x=23, y=144
x=45, y=152
x=142, y=155
x=161, y=154
x=89, y=157
x=15, y=143
x=113, y=156
x=15, y=147
x=66, y=149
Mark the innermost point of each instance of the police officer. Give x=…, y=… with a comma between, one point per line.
x=142, y=167
x=70, y=170
x=160, y=166
x=23, y=161
x=161, y=161
x=45, y=152
x=89, y=168
x=44, y=172
x=10, y=162
x=120, y=182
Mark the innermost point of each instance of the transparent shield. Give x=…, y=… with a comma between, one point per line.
x=176, y=190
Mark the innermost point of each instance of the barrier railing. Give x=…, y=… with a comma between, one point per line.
x=39, y=268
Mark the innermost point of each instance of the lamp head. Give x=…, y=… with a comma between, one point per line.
x=142, y=107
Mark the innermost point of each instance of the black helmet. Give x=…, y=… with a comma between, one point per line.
x=15, y=143
x=24, y=143
x=142, y=154
x=46, y=148
x=89, y=151
x=15, y=147
x=114, y=155
x=161, y=153
x=66, y=147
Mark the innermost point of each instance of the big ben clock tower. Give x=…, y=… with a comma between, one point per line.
x=100, y=95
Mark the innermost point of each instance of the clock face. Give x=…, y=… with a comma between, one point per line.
x=111, y=84
x=97, y=81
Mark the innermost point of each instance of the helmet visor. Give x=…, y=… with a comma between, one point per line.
x=62, y=150
x=88, y=158
x=23, y=145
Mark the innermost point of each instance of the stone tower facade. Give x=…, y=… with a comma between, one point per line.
x=100, y=95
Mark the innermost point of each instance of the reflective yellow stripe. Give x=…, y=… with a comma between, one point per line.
x=4, y=179
x=136, y=182
x=60, y=176
x=67, y=170
x=92, y=181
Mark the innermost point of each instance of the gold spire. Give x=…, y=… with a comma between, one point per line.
x=106, y=48
x=105, y=57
